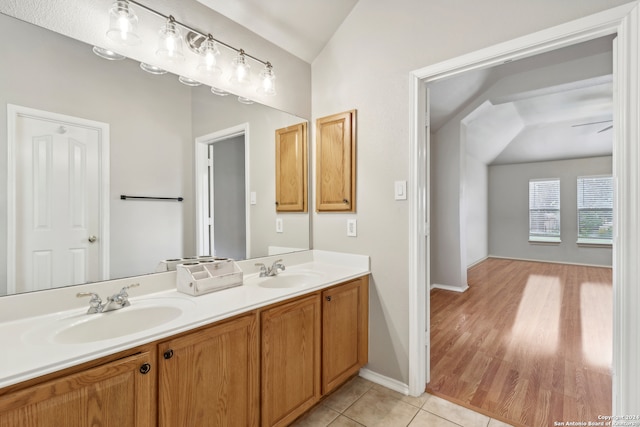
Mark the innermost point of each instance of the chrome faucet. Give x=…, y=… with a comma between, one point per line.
x=114, y=302
x=275, y=268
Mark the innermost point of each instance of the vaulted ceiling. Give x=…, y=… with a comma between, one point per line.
x=553, y=106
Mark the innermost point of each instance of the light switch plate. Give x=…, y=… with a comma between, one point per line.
x=352, y=227
x=253, y=199
x=279, y=225
x=400, y=190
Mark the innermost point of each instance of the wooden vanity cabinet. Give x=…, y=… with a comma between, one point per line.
x=290, y=360
x=119, y=393
x=345, y=332
x=211, y=377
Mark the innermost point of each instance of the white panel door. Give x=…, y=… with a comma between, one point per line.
x=57, y=193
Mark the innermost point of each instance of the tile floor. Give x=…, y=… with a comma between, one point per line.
x=362, y=403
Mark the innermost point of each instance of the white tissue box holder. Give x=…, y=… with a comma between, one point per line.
x=204, y=277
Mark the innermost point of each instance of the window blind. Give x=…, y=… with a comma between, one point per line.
x=595, y=208
x=544, y=209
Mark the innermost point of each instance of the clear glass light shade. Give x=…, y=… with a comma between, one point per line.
x=170, y=42
x=267, y=81
x=107, y=54
x=240, y=70
x=218, y=91
x=208, y=63
x=243, y=100
x=189, y=82
x=123, y=24
x=152, y=69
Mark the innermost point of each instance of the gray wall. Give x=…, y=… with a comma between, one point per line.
x=509, y=211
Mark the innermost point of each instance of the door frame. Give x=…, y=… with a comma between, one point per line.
x=624, y=22
x=13, y=113
x=202, y=183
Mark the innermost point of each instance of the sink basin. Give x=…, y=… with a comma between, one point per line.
x=85, y=328
x=287, y=279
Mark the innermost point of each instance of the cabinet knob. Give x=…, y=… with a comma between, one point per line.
x=168, y=354
x=345, y=201
x=328, y=298
x=145, y=368
x=276, y=203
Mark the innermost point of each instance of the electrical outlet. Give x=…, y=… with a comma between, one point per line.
x=352, y=227
x=279, y=225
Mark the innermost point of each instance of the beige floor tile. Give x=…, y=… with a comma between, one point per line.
x=411, y=400
x=343, y=421
x=496, y=423
x=427, y=419
x=320, y=416
x=344, y=397
x=376, y=408
x=452, y=412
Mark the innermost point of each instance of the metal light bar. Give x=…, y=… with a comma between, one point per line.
x=203, y=34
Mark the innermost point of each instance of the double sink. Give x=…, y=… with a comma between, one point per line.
x=146, y=314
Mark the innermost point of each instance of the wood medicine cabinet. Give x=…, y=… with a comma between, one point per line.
x=336, y=163
x=291, y=168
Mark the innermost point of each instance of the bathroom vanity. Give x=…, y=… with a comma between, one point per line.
x=258, y=354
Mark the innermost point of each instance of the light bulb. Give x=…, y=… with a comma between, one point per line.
x=123, y=23
x=170, y=42
x=240, y=69
x=209, y=51
x=267, y=79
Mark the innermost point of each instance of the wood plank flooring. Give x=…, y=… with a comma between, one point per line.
x=528, y=343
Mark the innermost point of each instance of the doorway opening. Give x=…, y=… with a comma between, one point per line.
x=622, y=22
x=222, y=188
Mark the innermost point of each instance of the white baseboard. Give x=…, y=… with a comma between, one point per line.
x=449, y=287
x=477, y=262
x=387, y=382
x=549, y=261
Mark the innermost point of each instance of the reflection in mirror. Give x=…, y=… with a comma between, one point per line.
x=147, y=128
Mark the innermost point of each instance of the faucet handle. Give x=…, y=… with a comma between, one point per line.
x=122, y=297
x=263, y=268
x=123, y=291
x=95, y=303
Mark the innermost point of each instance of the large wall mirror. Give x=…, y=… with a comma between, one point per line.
x=154, y=125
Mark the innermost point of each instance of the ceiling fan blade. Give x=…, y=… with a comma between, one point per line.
x=591, y=123
x=607, y=128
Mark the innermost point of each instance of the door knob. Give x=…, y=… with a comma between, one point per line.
x=92, y=239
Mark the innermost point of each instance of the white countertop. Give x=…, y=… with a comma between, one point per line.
x=29, y=351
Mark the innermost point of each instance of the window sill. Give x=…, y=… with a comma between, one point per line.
x=594, y=243
x=544, y=240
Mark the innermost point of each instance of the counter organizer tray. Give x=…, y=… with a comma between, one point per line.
x=199, y=278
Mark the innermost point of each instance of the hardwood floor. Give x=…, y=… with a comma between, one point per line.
x=528, y=343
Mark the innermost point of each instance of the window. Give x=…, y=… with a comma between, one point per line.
x=595, y=209
x=544, y=210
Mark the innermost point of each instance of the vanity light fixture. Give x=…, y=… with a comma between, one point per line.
x=152, y=69
x=107, y=54
x=170, y=42
x=123, y=23
x=123, y=26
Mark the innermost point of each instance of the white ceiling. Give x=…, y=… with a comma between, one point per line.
x=301, y=27
x=514, y=113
